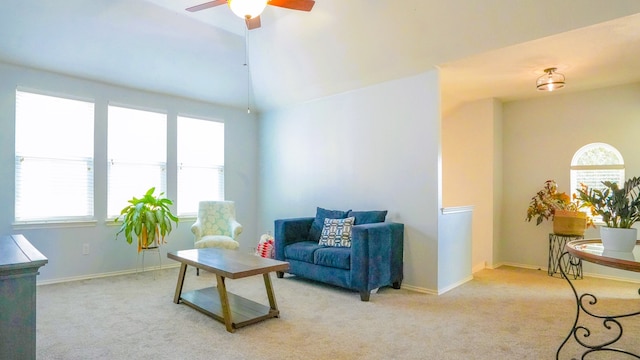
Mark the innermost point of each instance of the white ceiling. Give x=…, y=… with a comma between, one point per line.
x=487, y=48
x=600, y=55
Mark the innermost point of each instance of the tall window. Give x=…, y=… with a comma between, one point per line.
x=54, y=158
x=200, y=163
x=137, y=155
x=594, y=163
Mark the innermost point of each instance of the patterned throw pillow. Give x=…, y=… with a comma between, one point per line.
x=337, y=232
x=318, y=222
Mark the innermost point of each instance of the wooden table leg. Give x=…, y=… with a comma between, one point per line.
x=224, y=302
x=183, y=270
x=270, y=293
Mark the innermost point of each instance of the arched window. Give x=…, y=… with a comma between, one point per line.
x=594, y=163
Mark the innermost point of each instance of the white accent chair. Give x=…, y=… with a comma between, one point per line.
x=216, y=225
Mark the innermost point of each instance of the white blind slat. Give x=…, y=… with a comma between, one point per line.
x=54, y=158
x=200, y=163
x=594, y=163
x=137, y=152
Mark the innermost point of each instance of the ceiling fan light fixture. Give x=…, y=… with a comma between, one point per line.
x=247, y=9
x=550, y=81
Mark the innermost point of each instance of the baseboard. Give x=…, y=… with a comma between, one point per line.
x=608, y=277
x=102, y=275
x=453, y=286
x=479, y=267
x=589, y=274
x=439, y=291
x=522, y=266
x=419, y=289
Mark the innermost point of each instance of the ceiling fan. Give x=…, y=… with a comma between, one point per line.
x=250, y=10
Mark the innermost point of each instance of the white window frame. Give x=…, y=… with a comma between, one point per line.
x=611, y=168
x=54, y=158
x=200, y=157
x=137, y=160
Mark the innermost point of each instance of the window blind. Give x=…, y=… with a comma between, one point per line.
x=53, y=158
x=200, y=163
x=137, y=153
x=594, y=163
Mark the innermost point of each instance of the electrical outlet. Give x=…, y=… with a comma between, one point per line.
x=85, y=249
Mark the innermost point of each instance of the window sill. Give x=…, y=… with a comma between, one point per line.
x=112, y=222
x=48, y=224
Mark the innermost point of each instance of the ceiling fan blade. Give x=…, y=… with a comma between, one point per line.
x=207, y=5
x=302, y=5
x=253, y=23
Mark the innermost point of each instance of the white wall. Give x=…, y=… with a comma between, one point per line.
x=454, y=247
x=540, y=137
x=471, y=167
x=63, y=245
x=372, y=148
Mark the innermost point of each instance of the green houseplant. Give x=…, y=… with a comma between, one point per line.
x=550, y=204
x=149, y=218
x=619, y=208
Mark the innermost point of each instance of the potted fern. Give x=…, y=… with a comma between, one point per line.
x=619, y=209
x=148, y=218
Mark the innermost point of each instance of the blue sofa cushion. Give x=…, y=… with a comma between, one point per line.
x=337, y=232
x=334, y=257
x=302, y=251
x=368, y=217
x=318, y=222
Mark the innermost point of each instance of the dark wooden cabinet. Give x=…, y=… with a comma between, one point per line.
x=19, y=265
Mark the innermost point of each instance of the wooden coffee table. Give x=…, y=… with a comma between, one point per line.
x=231, y=309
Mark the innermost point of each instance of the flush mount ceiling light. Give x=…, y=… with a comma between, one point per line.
x=550, y=81
x=247, y=9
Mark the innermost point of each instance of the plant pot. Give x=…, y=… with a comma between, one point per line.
x=143, y=240
x=571, y=223
x=618, y=239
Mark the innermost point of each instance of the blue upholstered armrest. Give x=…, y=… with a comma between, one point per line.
x=289, y=231
x=376, y=254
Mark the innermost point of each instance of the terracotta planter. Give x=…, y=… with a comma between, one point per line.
x=143, y=240
x=571, y=223
x=618, y=239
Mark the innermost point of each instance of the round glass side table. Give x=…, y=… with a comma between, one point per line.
x=610, y=330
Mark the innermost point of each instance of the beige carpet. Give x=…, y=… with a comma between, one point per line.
x=508, y=313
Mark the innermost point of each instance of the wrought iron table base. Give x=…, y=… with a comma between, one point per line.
x=581, y=333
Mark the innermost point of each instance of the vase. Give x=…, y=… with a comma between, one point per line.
x=618, y=239
x=571, y=223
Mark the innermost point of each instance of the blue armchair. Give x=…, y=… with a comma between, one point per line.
x=373, y=260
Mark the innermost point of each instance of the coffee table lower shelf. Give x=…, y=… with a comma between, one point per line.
x=243, y=311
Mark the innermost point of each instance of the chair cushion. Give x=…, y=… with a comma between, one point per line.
x=337, y=232
x=368, y=217
x=218, y=241
x=333, y=257
x=318, y=222
x=301, y=251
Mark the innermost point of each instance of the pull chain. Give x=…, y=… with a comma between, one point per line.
x=246, y=63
